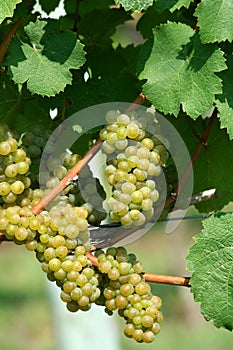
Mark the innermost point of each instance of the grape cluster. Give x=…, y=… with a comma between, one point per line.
x=134, y=160
x=89, y=193
x=59, y=235
x=125, y=289
x=33, y=142
x=14, y=166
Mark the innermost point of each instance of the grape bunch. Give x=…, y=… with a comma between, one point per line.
x=134, y=160
x=59, y=235
x=89, y=193
x=33, y=142
x=116, y=281
x=14, y=167
x=125, y=290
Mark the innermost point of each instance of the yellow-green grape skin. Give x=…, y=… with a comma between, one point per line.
x=5, y=148
x=4, y=188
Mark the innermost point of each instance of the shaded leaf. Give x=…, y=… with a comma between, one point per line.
x=10, y=96
x=214, y=165
x=49, y=6
x=98, y=26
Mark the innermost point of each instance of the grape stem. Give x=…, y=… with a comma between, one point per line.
x=8, y=37
x=152, y=277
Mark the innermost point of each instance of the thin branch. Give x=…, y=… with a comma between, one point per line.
x=165, y=279
x=139, y=101
x=152, y=277
x=203, y=196
x=8, y=37
x=76, y=16
x=68, y=179
x=201, y=145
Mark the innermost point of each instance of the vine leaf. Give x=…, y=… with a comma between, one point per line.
x=215, y=20
x=211, y=262
x=9, y=95
x=103, y=26
x=49, y=6
x=224, y=102
x=180, y=70
x=135, y=5
x=7, y=8
x=171, y=5
x=45, y=64
x=109, y=70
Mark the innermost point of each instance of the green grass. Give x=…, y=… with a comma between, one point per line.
x=26, y=315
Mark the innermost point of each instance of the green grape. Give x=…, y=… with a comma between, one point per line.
x=128, y=293
x=17, y=187
x=4, y=188
x=5, y=148
x=132, y=130
x=123, y=120
x=27, y=138
x=11, y=171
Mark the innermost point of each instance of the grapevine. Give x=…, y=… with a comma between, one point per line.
x=169, y=147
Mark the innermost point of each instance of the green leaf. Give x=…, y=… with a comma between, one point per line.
x=154, y=17
x=45, y=64
x=171, y=5
x=213, y=167
x=215, y=20
x=180, y=70
x=90, y=5
x=7, y=8
x=110, y=80
x=10, y=96
x=135, y=5
x=49, y=6
x=211, y=262
x=103, y=26
x=224, y=102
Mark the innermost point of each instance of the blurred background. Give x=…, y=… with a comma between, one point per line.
x=32, y=316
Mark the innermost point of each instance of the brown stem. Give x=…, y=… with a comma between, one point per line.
x=195, y=155
x=165, y=279
x=201, y=145
x=67, y=180
x=76, y=15
x=139, y=100
x=8, y=37
x=152, y=277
